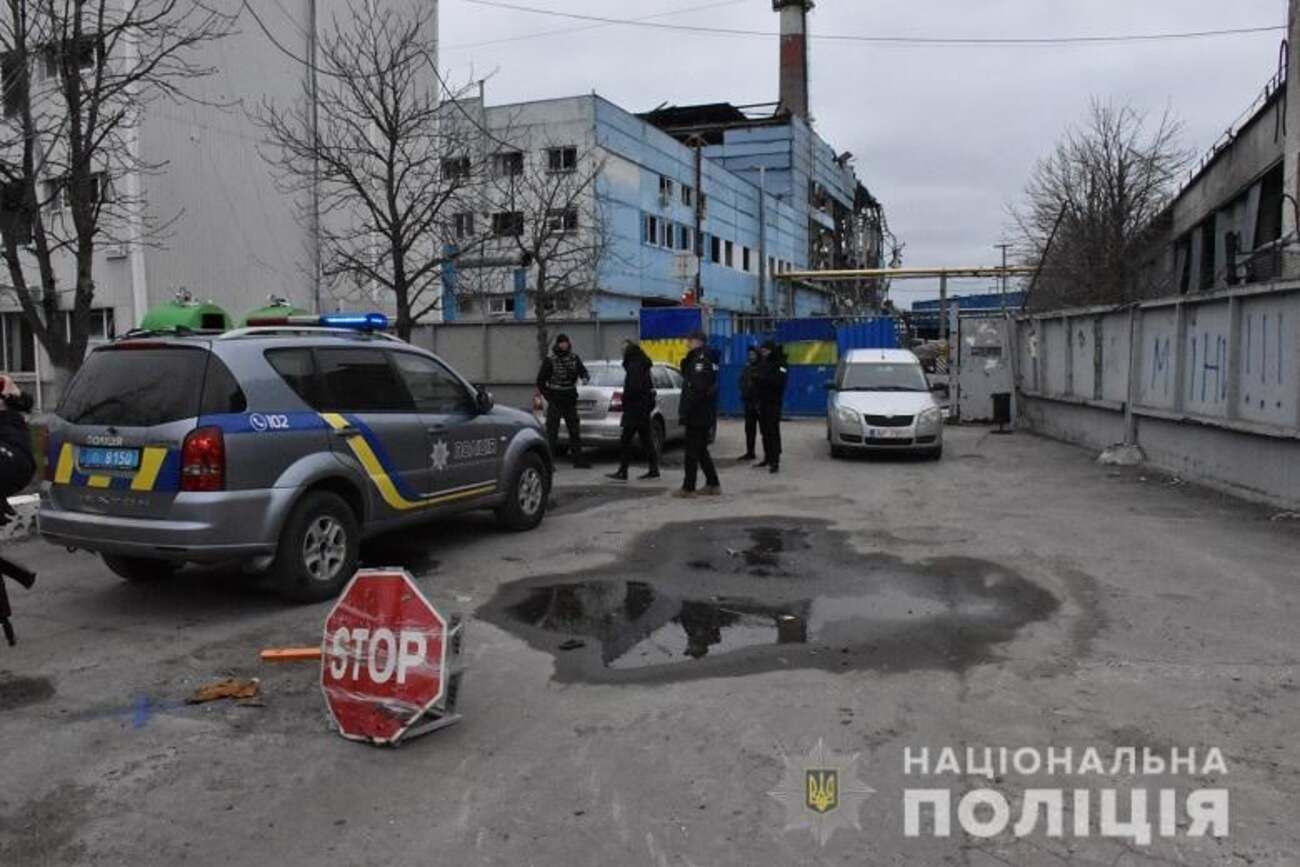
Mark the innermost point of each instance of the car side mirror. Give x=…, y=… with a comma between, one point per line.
x=483, y=399
x=939, y=386
x=830, y=385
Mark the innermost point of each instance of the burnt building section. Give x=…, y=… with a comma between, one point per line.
x=811, y=192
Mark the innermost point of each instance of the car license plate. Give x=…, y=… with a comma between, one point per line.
x=889, y=433
x=97, y=458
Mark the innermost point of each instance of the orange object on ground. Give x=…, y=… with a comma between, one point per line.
x=291, y=654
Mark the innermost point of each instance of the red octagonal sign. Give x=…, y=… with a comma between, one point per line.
x=383, y=657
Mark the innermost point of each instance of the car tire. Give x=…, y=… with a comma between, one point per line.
x=935, y=453
x=140, y=570
x=658, y=437
x=318, y=550
x=526, y=496
x=838, y=452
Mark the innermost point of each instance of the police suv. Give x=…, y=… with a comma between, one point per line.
x=280, y=447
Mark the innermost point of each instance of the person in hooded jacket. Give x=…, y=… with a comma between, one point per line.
x=17, y=463
x=557, y=381
x=638, y=407
x=749, y=397
x=699, y=414
x=772, y=377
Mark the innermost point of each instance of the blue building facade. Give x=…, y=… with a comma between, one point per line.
x=741, y=203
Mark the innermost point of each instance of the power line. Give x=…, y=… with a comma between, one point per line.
x=564, y=30
x=956, y=41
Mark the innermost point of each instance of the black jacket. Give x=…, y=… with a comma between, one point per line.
x=749, y=382
x=561, y=373
x=638, y=388
x=17, y=463
x=699, y=405
x=771, y=380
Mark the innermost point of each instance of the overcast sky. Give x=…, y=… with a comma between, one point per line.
x=944, y=136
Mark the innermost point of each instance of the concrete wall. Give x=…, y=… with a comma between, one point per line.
x=1208, y=385
x=503, y=355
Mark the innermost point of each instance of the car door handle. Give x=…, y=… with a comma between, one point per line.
x=346, y=432
x=437, y=429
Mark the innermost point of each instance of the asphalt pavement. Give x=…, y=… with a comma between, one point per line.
x=649, y=678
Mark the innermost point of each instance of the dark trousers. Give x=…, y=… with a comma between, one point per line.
x=697, y=458
x=647, y=445
x=751, y=426
x=769, y=421
x=564, y=405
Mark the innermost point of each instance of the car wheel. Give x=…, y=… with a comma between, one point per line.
x=525, y=504
x=318, y=550
x=935, y=453
x=838, y=452
x=140, y=570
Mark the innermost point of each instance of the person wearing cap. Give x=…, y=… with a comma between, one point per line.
x=557, y=381
x=699, y=414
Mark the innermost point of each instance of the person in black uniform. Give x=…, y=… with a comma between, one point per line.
x=638, y=407
x=749, y=397
x=17, y=466
x=557, y=381
x=772, y=376
x=699, y=413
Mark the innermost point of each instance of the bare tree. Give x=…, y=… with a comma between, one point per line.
x=77, y=77
x=1090, y=206
x=389, y=158
x=547, y=211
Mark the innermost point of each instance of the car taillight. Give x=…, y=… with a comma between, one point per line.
x=41, y=450
x=203, y=460
x=616, y=402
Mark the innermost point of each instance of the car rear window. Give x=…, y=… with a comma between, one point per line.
x=606, y=375
x=142, y=387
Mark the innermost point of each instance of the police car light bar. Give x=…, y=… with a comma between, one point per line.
x=353, y=321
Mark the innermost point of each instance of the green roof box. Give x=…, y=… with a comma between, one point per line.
x=184, y=313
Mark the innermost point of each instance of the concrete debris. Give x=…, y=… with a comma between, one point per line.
x=1122, y=455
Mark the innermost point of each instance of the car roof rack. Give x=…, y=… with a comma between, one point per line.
x=305, y=331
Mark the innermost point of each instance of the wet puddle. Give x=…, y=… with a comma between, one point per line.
x=698, y=600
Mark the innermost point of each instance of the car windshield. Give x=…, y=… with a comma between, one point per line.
x=606, y=373
x=883, y=377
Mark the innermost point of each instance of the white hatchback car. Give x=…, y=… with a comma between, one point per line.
x=880, y=401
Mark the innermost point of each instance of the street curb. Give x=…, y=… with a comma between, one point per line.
x=22, y=525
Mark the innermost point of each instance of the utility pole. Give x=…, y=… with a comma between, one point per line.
x=1003, y=279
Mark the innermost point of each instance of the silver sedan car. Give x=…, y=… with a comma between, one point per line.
x=600, y=405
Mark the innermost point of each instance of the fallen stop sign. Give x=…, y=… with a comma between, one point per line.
x=383, y=657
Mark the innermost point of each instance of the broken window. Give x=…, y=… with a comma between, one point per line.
x=508, y=164
x=562, y=220
x=455, y=168
x=562, y=159
x=508, y=224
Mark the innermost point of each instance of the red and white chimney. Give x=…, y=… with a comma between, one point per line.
x=794, y=54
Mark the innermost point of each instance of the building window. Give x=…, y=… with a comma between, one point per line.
x=508, y=224
x=704, y=206
x=688, y=196
x=562, y=220
x=670, y=230
x=1268, y=225
x=14, y=216
x=1209, y=244
x=507, y=164
x=651, y=230
x=102, y=327
x=665, y=190
x=86, y=53
x=715, y=249
x=563, y=159
x=13, y=73
x=559, y=301
x=499, y=304
x=771, y=265
x=744, y=259
x=455, y=168
x=465, y=303
x=684, y=238
x=463, y=225
x=56, y=191
x=730, y=258
x=19, y=346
